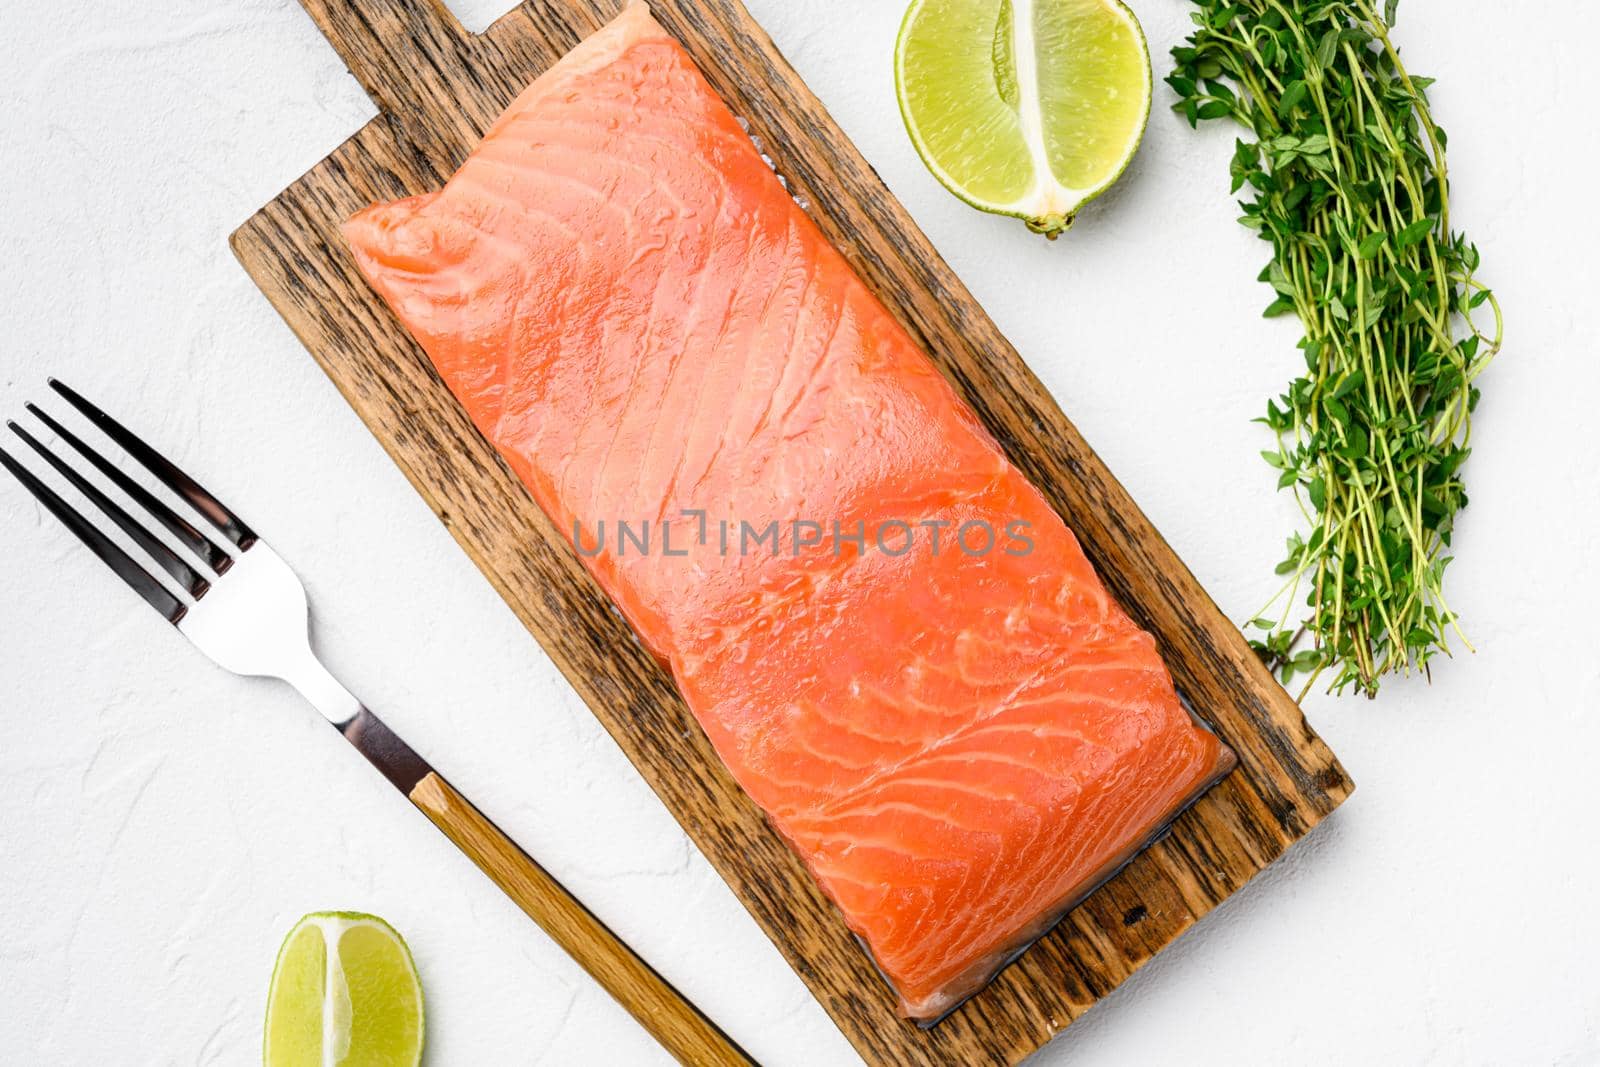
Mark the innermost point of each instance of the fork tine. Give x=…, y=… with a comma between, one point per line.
x=231, y=526
x=195, y=541
x=169, y=560
x=154, y=593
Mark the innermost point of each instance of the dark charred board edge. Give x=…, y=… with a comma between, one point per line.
x=437, y=89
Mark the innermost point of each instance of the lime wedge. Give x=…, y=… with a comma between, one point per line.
x=1029, y=108
x=344, y=993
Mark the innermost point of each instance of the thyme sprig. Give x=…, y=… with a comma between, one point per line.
x=1347, y=172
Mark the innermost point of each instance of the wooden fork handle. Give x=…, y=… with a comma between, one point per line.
x=663, y=1011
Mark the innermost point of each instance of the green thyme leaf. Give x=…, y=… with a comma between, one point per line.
x=1345, y=170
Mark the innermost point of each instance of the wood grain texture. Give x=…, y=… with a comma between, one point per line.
x=691, y=1038
x=438, y=89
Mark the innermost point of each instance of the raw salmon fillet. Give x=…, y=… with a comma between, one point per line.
x=960, y=744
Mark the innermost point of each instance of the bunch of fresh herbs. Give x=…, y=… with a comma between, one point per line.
x=1346, y=168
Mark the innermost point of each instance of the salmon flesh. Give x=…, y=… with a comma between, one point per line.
x=960, y=740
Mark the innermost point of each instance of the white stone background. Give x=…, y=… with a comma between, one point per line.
x=165, y=824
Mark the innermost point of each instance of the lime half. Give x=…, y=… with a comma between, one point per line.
x=1029, y=108
x=344, y=993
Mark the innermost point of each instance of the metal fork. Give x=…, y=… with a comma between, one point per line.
x=242, y=606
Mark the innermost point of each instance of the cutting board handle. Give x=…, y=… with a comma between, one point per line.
x=401, y=51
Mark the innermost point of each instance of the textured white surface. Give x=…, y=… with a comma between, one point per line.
x=166, y=824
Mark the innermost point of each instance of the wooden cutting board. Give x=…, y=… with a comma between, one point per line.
x=438, y=88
